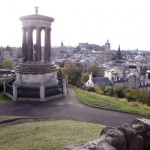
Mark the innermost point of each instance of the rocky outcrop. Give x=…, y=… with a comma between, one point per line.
x=134, y=136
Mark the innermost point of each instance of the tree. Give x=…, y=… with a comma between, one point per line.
x=59, y=73
x=85, y=77
x=94, y=69
x=8, y=64
x=74, y=74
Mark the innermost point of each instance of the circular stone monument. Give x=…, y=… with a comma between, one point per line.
x=36, y=77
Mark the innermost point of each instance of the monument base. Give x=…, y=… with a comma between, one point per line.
x=36, y=82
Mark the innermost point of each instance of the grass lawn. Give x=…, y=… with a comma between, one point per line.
x=101, y=101
x=47, y=135
x=3, y=98
x=2, y=118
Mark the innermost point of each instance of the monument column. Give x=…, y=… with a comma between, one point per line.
x=38, y=44
x=47, y=46
x=30, y=45
x=24, y=46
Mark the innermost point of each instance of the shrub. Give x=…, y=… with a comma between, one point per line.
x=143, y=97
x=98, y=89
x=91, y=89
x=119, y=90
x=109, y=91
x=131, y=94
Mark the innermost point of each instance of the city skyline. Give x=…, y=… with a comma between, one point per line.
x=122, y=22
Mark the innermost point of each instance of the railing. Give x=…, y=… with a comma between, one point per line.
x=9, y=89
x=52, y=91
x=34, y=92
x=28, y=92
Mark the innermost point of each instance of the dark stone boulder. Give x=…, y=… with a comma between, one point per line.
x=104, y=130
x=116, y=138
x=136, y=143
x=128, y=130
x=135, y=136
x=146, y=137
x=104, y=145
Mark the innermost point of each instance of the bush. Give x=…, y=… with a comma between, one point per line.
x=109, y=91
x=98, y=90
x=143, y=97
x=119, y=90
x=91, y=89
x=131, y=94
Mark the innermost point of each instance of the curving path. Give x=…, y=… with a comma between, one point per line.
x=67, y=107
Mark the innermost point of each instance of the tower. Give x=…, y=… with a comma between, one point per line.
x=107, y=51
x=107, y=46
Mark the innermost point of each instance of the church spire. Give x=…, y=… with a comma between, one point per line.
x=119, y=56
x=119, y=48
x=62, y=44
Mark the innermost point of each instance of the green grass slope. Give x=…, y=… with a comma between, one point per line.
x=48, y=135
x=101, y=101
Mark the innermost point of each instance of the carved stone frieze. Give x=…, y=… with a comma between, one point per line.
x=36, y=23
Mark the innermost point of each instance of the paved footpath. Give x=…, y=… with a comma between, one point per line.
x=67, y=107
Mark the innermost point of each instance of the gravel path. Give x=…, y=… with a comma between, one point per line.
x=67, y=107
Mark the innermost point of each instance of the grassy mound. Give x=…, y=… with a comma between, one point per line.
x=47, y=135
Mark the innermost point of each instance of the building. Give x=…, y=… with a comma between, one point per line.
x=102, y=82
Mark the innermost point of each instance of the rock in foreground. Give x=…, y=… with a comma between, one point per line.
x=134, y=136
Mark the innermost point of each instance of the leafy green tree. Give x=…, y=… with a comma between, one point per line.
x=59, y=73
x=94, y=69
x=8, y=64
x=74, y=74
x=85, y=77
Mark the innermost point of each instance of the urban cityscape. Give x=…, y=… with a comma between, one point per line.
x=121, y=67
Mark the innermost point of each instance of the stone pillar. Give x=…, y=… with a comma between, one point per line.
x=24, y=46
x=64, y=87
x=14, y=91
x=47, y=46
x=4, y=87
x=42, y=92
x=38, y=44
x=30, y=45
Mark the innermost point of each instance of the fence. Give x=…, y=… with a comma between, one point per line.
x=28, y=92
x=52, y=91
x=9, y=88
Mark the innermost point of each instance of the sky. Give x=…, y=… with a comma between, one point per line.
x=122, y=22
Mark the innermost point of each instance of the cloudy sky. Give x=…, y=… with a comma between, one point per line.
x=124, y=22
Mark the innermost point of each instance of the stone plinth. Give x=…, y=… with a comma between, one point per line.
x=36, y=74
